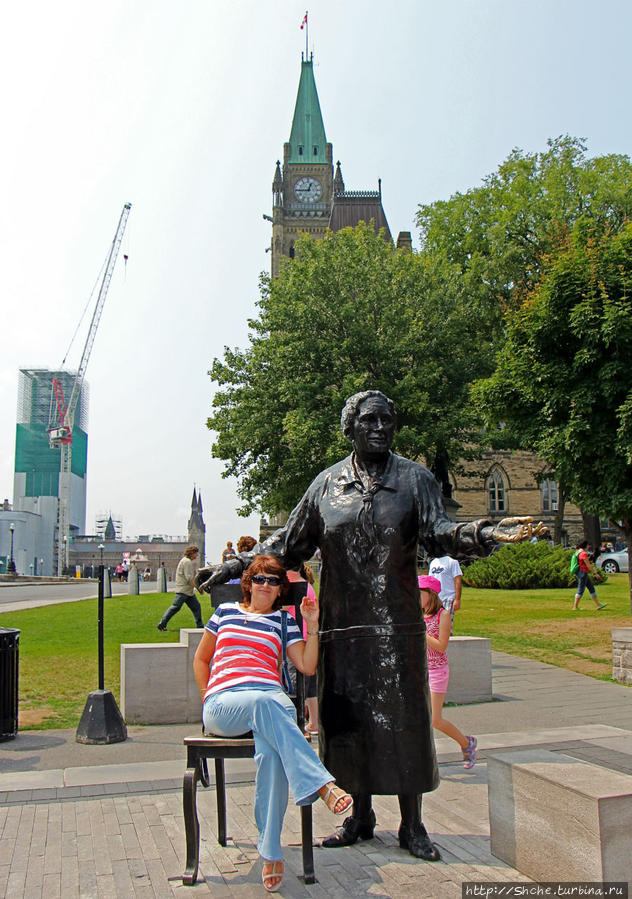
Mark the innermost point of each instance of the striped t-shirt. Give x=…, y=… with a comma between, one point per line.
x=248, y=647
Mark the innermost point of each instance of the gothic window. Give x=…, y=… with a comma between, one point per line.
x=496, y=492
x=291, y=251
x=300, y=151
x=315, y=151
x=550, y=498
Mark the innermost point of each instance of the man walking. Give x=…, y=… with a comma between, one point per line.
x=583, y=577
x=185, y=589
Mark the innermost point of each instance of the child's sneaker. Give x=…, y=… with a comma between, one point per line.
x=469, y=754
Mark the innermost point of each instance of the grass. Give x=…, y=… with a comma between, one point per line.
x=59, y=651
x=58, y=643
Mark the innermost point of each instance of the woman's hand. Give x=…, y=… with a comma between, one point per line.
x=310, y=610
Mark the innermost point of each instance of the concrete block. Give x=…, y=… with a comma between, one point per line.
x=157, y=682
x=555, y=818
x=470, y=661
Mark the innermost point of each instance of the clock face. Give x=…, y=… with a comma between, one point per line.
x=308, y=190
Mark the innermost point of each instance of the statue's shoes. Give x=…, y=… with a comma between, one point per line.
x=352, y=830
x=418, y=843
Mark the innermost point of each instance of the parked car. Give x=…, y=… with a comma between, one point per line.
x=613, y=562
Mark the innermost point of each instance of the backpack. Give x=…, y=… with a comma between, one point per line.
x=574, y=568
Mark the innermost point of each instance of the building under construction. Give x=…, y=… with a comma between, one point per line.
x=37, y=464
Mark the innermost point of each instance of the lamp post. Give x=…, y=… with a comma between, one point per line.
x=101, y=547
x=41, y=567
x=66, y=567
x=11, y=565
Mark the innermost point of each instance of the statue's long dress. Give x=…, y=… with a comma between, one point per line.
x=376, y=721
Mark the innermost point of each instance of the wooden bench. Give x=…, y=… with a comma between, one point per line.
x=204, y=747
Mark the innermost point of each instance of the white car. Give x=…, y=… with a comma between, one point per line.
x=613, y=562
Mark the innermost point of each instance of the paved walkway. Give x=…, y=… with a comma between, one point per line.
x=96, y=821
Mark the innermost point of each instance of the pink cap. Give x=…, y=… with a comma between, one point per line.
x=427, y=582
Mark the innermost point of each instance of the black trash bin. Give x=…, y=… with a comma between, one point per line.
x=9, y=670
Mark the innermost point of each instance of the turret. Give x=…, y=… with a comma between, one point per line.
x=339, y=184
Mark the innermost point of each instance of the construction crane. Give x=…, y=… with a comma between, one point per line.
x=60, y=428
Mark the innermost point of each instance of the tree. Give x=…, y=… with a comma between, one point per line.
x=500, y=234
x=563, y=384
x=348, y=313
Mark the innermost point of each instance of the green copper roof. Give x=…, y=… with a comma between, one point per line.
x=307, y=140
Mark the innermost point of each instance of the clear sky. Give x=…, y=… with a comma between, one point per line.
x=182, y=108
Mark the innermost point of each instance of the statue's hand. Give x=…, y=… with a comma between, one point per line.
x=205, y=579
x=515, y=530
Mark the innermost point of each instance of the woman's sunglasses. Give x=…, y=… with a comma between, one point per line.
x=260, y=579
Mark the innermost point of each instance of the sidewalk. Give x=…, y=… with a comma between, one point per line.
x=80, y=820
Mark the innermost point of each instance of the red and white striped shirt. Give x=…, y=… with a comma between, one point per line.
x=248, y=647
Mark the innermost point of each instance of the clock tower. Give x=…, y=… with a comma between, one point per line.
x=303, y=189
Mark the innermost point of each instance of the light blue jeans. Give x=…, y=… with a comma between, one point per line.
x=282, y=754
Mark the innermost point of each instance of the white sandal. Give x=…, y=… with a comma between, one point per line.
x=338, y=795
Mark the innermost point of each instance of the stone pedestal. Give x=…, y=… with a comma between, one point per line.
x=133, y=581
x=470, y=661
x=157, y=683
x=555, y=818
x=622, y=654
x=161, y=580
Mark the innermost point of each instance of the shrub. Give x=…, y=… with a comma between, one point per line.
x=522, y=566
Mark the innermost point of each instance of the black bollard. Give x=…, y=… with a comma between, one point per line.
x=101, y=721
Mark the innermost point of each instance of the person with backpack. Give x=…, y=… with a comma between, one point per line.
x=582, y=567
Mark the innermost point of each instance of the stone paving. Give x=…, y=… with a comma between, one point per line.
x=71, y=825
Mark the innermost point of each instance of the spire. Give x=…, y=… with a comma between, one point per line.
x=194, y=500
x=339, y=184
x=307, y=138
x=199, y=502
x=110, y=532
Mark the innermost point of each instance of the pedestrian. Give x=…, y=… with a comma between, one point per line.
x=185, y=589
x=229, y=552
x=438, y=625
x=366, y=514
x=448, y=571
x=236, y=668
x=583, y=577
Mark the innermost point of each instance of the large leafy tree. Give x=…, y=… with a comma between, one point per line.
x=349, y=313
x=563, y=384
x=500, y=234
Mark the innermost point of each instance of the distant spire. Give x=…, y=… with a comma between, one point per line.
x=199, y=504
x=308, y=142
x=339, y=184
x=194, y=499
x=110, y=530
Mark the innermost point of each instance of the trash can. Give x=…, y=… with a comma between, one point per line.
x=9, y=670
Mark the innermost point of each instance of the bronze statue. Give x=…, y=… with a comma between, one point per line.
x=367, y=514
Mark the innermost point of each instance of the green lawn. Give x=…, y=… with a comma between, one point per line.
x=58, y=644
x=58, y=651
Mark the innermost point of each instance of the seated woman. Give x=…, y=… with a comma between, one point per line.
x=237, y=668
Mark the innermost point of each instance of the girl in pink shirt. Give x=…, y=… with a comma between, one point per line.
x=438, y=625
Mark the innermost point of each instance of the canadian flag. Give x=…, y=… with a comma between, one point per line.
x=304, y=22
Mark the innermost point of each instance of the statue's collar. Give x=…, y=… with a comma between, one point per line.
x=353, y=474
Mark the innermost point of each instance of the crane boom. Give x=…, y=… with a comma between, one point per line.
x=62, y=437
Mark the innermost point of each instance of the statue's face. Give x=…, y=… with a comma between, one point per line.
x=373, y=428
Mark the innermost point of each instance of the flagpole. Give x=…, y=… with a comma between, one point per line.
x=306, y=37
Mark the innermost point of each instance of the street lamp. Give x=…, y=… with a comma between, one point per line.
x=11, y=565
x=67, y=571
x=41, y=567
x=101, y=547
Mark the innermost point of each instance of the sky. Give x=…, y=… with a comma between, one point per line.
x=182, y=109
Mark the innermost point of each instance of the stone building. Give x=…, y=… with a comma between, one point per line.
x=508, y=483
x=145, y=551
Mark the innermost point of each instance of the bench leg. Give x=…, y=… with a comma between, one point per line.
x=191, y=824
x=220, y=794
x=309, y=875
